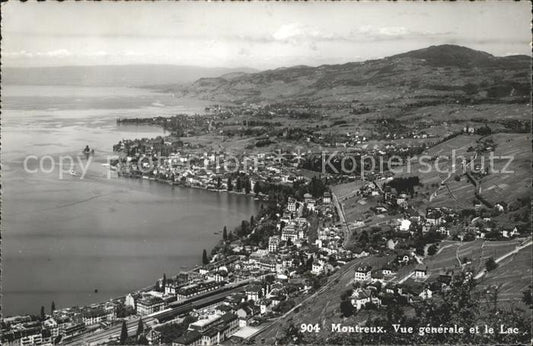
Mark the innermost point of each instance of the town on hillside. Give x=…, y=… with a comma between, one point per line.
x=392, y=256
x=393, y=210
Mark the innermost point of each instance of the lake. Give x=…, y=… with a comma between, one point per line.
x=62, y=239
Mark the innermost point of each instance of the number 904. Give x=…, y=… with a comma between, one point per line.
x=309, y=328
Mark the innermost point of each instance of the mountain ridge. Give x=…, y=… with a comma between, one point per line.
x=134, y=75
x=445, y=70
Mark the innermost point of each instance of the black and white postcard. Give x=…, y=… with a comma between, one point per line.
x=266, y=173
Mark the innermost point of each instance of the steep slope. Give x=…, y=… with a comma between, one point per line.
x=434, y=72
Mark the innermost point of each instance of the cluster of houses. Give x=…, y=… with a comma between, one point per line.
x=247, y=265
x=374, y=288
x=59, y=325
x=485, y=228
x=212, y=170
x=268, y=275
x=436, y=219
x=353, y=139
x=209, y=331
x=441, y=220
x=23, y=330
x=234, y=317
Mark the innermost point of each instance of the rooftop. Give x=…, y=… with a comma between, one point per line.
x=150, y=300
x=205, y=322
x=188, y=338
x=363, y=269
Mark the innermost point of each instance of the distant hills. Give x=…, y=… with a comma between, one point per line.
x=444, y=72
x=119, y=75
x=433, y=72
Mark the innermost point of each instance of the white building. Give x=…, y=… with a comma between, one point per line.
x=291, y=204
x=289, y=232
x=363, y=273
x=318, y=267
x=129, y=301
x=253, y=292
x=420, y=273
x=273, y=243
x=404, y=225
x=360, y=297
x=426, y=293
x=309, y=201
x=149, y=304
x=326, y=199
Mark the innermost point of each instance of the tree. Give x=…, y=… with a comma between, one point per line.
x=230, y=184
x=52, y=308
x=188, y=320
x=394, y=312
x=316, y=187
x=205, y=259
x=238, y=184
x=225, y=233
x=461, y=304
x=484, y=130
x=527, y=296
x=123, y=333
x=140, y=327
x=346, y=294
x=252, y=221
x=432, y=250
x=289, y=242
x=244, y=228
x=346, y=308
x=43, y=315
x=164, y=284
x=247, y=185
x=142, y=340
x=257, y=188
x=309, y=263
x=363, y=238
x=491, y=264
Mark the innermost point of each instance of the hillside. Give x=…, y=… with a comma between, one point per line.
x=428, y=74
x=323, y=307
x=122, y=75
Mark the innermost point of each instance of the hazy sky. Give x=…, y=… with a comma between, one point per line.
x=260, y=35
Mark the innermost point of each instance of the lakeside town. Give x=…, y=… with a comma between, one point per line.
x=269, y=267
x=266, y=173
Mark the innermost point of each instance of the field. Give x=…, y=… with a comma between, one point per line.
x=478, y=251
x=344, y=191
x=458, y=194
x=459, y=144
x=513, y=276
x=516, y=179
x=461, y=113
x=505, y=183
x=357, y=207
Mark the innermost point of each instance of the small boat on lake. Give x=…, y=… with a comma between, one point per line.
x=88, y=151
